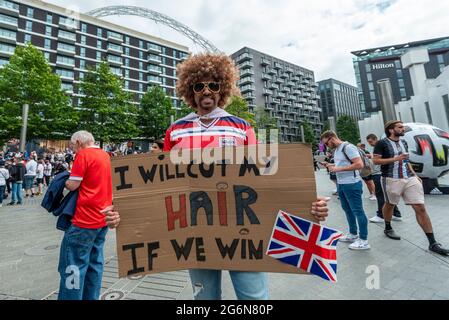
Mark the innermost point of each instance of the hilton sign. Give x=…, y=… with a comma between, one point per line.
x=379, y=66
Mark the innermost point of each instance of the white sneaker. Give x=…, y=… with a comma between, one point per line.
x=372, y=197
x=335, y=192
x=349, y=238
x=1, y=205
x=397, y=218
x=360, y=245
x=376, y=219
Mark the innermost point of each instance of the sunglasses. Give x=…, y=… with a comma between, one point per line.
x=212, y=86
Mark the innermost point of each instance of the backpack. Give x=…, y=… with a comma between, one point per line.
x=368, y=166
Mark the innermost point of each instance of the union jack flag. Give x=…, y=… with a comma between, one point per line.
x=305, y=245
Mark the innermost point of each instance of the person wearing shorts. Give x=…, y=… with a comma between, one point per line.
x=400, y=181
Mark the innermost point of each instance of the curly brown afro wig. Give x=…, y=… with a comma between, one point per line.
x=201, y=67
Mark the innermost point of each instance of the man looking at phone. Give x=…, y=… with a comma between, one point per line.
x=400, y=180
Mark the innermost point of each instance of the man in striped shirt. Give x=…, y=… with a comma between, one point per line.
x=206, y=82
x=400, y=181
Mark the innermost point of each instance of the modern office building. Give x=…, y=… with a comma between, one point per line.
x=286, y=91
x=375, y=64
x=72, y=44
x=337, y=99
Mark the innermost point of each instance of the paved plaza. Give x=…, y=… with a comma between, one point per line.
x=29, y=249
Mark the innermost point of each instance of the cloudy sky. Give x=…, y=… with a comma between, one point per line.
x=315, y=34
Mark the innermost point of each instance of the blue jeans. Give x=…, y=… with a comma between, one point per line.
x=81, y=263
x=2, y=193
x=247, y=285
x=16, y=192
x=352, y=203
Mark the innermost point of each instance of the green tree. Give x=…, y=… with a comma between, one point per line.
x=28, y=79
x=239, y=108
x=264, y=122
x=183, y=111
x=309, y=135
x=347, y=129
x=107, y=110
x=155, y=113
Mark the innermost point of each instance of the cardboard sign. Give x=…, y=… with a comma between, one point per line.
x=197, y=216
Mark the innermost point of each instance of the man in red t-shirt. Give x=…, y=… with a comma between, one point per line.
x=81, y=260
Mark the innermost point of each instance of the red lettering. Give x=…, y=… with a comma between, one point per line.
x=222, y=208
x=178, y=215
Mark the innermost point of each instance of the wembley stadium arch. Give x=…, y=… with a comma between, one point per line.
x=156, y=17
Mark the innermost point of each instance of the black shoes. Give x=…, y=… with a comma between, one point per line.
x=11, y=204
x=392, y=235
x=438, y=248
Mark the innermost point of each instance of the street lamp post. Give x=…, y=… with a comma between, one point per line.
x=23, y=134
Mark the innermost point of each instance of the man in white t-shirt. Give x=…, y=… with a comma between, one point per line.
x=30, y=175
x=347, y=164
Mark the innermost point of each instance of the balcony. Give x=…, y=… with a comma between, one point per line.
x=310, y=90
x=9, y=7
x=274, y=86
x=288, y=103
x=115, y=60
x=6, y=50
x=154, y=58
x=314, y=85
x=297, y=92
x=154, y=80
x=309, y=76
x=245, y=80
x=115, y=37
x=292, y=97
x=115, y=48
x=279, y=81
x=8, y=22
x=283, y=75
x=249, y=96
x=67, y=36
x=247, y=88
x=266, y=76
x=306, y=94
x=246, y=72
x=303, y=100
x=268, y=106
x=295, y=79
x=290, y=84
x=154, y=69
x=244, y=57
x=246, y=64
x=277, y=65
x=8, y=36
x=275, y=100
x=272, y=71
x=66, y=49
x=304, y=82
x=265, y=62
x=280, y=94
x=154, y=48
x=68, y=23
x=267, y=92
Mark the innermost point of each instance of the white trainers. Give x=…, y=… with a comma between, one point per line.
x=397, y=218
x=334, y=192
x=376, y=219
x=349, y=238
x=360, y=245
x=372, y=197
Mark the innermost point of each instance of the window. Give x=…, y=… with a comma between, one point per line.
x=82, y=64
x=399, y=74
x=140, y=86
x=127, y=62
x=401, y=83
x=398, y=65
x=48, y=31
x=429, y=114
x=47, y=55
x=49, y=18
x=126, y=39
x=115, y=47
x=99, y=33
x=47, y=44
x=29, y=26
x=99, y=44
x=67, y=87
x=65, y=60
x=116, y=71
x=65, y=73
x=30, y=12
x=141, y=65
x=127, y=73
x=4, y=33
x=126, y=84
x=127, y=51
x=440, y=58
x=83, y=40
x=27, y=38
x=115, y=35
x=113, y=58
x=141, y=44
x=140, y=55
x=81, y=76
x=403, y=93
x=82, y=52
x=372, y=95
x=84, y=27
x=98, y=55
x=368, y=68
x=369, y=76
x=371, y=86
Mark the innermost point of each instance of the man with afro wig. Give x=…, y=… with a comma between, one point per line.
x=206, y=82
